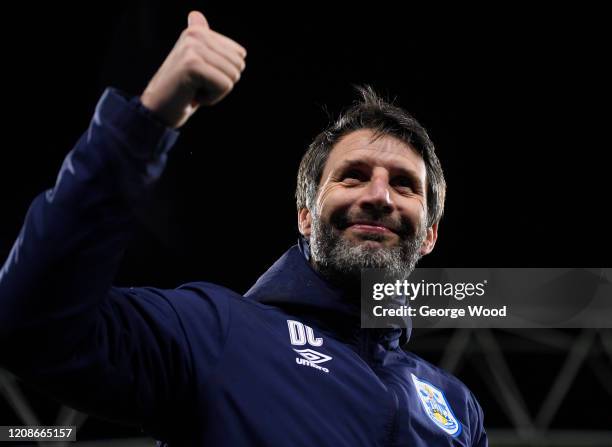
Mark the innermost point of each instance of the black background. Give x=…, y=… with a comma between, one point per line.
x=515, y=100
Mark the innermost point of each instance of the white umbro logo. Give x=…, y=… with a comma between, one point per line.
x=313, y=356
x=300, y=335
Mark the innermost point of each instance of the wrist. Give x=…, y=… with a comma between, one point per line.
x=150, y=107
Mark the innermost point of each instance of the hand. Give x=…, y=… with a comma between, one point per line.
x=201, y=69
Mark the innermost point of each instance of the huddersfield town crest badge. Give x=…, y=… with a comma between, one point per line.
x=436, y=406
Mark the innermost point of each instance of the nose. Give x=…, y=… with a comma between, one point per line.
x=377, y=196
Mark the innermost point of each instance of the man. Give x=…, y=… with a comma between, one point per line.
x=287, y=364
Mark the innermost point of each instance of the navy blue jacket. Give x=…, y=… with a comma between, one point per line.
x=285, y=364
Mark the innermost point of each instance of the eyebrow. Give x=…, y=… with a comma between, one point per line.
x=409, y=173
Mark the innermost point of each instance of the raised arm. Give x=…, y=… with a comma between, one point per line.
x=115, y=352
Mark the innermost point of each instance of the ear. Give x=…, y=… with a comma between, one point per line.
x=304, y=222
x=430, y=240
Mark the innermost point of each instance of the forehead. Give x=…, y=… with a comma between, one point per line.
x=385, y=151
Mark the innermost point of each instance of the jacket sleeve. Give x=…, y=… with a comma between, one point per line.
x=119, y=353
x=479, y=434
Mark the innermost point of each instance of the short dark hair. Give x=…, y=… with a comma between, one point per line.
x=384, y=118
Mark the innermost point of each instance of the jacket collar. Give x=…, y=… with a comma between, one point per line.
x=294, y=286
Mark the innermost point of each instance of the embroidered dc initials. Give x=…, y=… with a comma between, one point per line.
x=301, y=335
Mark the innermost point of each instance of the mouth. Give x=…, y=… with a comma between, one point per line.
x=370, y=227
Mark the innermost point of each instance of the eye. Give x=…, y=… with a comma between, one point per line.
x=404, y=184
x=354, y=176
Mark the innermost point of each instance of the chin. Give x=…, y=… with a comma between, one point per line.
x=374, y=241
x=370, y=244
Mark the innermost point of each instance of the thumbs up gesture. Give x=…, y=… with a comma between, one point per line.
x=201, y=69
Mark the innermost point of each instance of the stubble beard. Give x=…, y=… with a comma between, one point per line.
x=341, y=260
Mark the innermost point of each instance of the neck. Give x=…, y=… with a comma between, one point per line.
x=347, y=283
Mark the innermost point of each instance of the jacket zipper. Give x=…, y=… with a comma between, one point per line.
x=392, y=425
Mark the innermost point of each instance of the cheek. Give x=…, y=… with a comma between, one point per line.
x=333, y=198
x=414, y=211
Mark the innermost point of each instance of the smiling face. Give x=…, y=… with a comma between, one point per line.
x=371, y=208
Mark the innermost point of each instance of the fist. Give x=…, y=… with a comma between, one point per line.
x=201, y=69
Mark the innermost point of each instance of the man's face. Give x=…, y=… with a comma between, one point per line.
x=371, y=208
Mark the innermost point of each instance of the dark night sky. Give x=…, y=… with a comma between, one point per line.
x=509, y=98
x=512, y=98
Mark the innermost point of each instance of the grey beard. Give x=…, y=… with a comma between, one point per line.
x=341, y=261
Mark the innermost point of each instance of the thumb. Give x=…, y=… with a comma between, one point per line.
x=197, y=18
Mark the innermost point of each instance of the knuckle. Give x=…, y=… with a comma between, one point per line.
x=189, y=44
x=192, y=62
x=192, y=32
